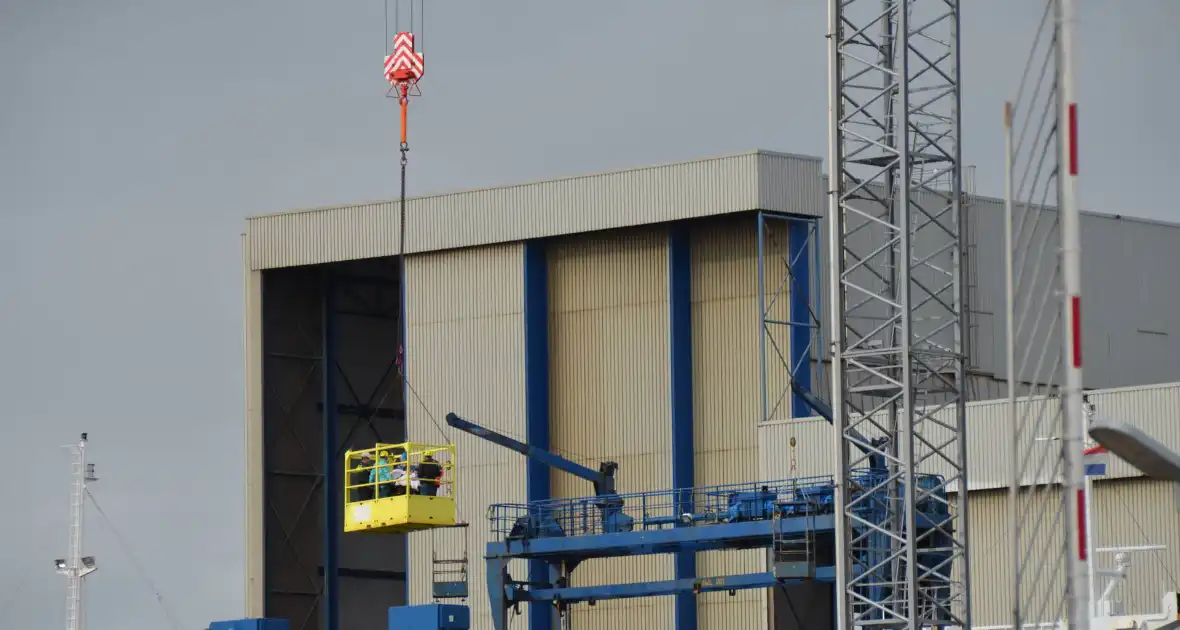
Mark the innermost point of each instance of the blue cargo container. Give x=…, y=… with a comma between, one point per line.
x=251, y=624
x=430, y=617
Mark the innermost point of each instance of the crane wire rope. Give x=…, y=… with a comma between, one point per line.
x=164, y=607
x=402, y=90
x=404, y=149
x=7, y=603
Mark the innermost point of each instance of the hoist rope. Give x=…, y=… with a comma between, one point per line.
x=135, y=563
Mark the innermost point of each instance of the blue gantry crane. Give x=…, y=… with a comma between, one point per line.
x=792, y=519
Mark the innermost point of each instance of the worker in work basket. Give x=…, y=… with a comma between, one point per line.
x=429, y=475
x=361, y=475
x=389, y=477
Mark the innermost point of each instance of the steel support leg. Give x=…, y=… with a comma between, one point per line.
x=680, y=364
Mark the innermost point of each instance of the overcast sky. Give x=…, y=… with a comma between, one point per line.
x=135, y=135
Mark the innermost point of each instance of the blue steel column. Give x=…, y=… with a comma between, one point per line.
x=536, y=400
x=332, y=507
x=680, y=363
x=799, y=254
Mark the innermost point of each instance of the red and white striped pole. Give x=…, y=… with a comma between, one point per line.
x=1075, y=429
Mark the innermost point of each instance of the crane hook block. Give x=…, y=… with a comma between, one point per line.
x=399, y=488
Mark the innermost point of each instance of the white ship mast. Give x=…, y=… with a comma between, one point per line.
x=76, y=566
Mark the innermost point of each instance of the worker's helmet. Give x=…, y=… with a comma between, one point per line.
x=384, y=453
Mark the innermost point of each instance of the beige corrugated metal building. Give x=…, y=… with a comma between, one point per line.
x=1129, y=509
x=545, y=311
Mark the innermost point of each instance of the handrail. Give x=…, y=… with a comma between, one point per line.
x=390, y=461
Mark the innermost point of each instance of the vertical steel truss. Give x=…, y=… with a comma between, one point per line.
x=297, y=394
x=897, y=315
x=788, y=287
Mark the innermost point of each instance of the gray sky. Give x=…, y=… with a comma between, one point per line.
x=136, y=134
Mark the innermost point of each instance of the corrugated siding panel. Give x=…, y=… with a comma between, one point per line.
x=750, y=181
x=255, y=439
x=467, y=303
x=1129, y=301
x=991, y=559
x=1139, y=512
x=610, y=392
x=1150, y=407
x=727, y=394
x=1123, y=346
x=813, y=453
x=791, y=183
x=1127, y=512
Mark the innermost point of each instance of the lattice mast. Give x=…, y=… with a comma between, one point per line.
x=895, y=250
x=75, y=566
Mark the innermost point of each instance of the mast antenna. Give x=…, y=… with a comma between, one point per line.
x=76, y=566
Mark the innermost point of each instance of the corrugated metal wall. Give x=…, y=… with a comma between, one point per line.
x=1139, y=512
x=991, y=559
x=610, y=392
x=1132, y=323
x=727, y=395
x=1151, y=407
x=255, y=442
x=1127, y=512
x=1129, y=296
x=1132, y=328
x=699, y=188
x=1129, y=509
x=464, y=353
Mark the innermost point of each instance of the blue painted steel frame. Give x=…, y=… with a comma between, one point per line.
x=799, y=236
x=679, y=588
x=571, y=550
x=802, y=268
x=536, y=399
x=332, y=504
x=738, y=535
x=680, y=368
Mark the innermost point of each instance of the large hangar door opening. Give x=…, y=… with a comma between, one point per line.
x=360, y=303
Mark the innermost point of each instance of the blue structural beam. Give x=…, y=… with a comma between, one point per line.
x=536, y=400
x=686, y=587
x=740, y=535
x=799, y=255
x=539, y=453
x=332, y=504
x=680, y=368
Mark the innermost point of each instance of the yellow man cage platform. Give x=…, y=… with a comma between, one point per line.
x=398, y=488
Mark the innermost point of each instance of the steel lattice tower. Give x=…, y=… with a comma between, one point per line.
x=898, y=367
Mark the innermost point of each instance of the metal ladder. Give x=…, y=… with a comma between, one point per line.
x=792, y=556
x=449, y=574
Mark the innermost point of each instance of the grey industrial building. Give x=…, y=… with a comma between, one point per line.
x=543, y=310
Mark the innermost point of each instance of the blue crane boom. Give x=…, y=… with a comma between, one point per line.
x=820, y=407
x=607, y=501
x=603, y=479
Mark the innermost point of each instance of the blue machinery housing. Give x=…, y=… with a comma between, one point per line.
x=792, y=519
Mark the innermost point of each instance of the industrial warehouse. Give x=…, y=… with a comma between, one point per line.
x=669, y=319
